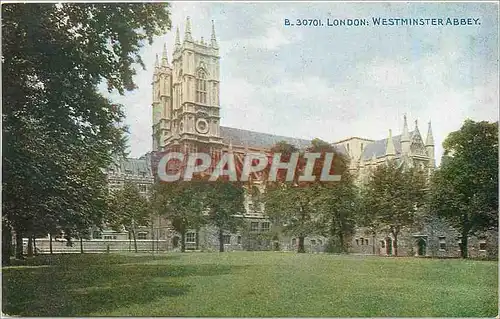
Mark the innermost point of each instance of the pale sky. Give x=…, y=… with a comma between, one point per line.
x=337, y=82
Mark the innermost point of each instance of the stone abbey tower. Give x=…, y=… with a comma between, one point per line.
x=186, y=95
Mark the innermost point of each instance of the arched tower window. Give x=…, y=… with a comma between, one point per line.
x=201, y=87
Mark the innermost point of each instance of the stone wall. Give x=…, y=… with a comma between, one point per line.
x=435, y=238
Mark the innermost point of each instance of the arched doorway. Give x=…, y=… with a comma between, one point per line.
x=421, y=247
x=175, y=241
x=388, y=246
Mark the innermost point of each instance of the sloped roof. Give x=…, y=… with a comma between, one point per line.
x=136, y=166
x=378, y=147
x=263, y=140
x=256, y=139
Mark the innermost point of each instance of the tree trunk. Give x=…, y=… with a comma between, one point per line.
x=30, y=246
x=50, y=244
x=183, y=241
x=301, y=248
x=81, y=245
x=135, y=240
x=221, y=240
x=6, y=244
x=152, y=237
x=197, y=238
x=34, y=246
x=464, y=246
x=373, y=243
x=395, y=244
x=19, y=245
x=341, y=242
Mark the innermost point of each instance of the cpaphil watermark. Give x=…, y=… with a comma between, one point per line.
x=301, y=167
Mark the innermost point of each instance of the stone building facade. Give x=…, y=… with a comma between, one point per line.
x=186, y=117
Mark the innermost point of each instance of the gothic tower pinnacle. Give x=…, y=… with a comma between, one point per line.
x=177, y=38
x=164, y=56
x=187, y=32
x=430, y=138
x=405, y=138
x=213, y=40
x=390, y=150
x=429, y=148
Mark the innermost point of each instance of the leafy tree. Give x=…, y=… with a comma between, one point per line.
x=338, y=206
x=224, y=201
x=395, y=193
x=129, y=209
x=300, y=205
x=335, y=202
x=181, y=203
x=283, y=202
x=464, y=190
x=55, y=56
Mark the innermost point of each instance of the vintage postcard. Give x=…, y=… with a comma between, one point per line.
x=250, y=159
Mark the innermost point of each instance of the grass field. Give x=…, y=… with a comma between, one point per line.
x=260, y=284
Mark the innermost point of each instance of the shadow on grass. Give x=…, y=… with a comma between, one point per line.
x=80, y=285
x=94, y=259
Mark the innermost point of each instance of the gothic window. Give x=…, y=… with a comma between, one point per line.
x=180, y=96
x=142, y=235
x=482, y=245
x=254, y=226
x=265, y=226
x=201, y=87
x=227, y=239
x=190, y=238
x=362, y=147
x=442, y=243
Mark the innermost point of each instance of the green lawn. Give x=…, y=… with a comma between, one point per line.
x=260, y=284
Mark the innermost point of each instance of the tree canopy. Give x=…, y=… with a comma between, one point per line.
x=392, y=197
x=59, y=132
x=464, y=190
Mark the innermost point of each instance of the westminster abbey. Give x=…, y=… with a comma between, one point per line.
x=186, y=116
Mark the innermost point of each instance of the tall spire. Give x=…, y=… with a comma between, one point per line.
x=157, y=63
x=405, y=136
x=390, y=149
x=416, y=131
x=177, y=37
x=164, y=56
x=430, y=138
x=213, y=40
x=187, y=33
